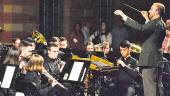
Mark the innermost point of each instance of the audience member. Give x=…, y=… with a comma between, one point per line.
x=166, y=42
x=86, y=31
x=119, y=33
x=101, y=35
x=75, y=38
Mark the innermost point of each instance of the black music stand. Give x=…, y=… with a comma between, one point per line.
x=75, y=71
x=7, y=75
x=73, y=76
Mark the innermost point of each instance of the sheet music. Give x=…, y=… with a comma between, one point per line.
x=9, y=72
x=83, y=74
x=75, y=72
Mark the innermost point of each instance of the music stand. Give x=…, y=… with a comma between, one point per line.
x=7, y=75
x=75, y=71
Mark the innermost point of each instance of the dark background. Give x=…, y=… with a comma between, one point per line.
x=57, y=17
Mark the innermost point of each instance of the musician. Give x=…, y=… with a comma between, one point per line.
x=63, y=42
x=107, y=50
x=34, y=69
x=12, y=56
x=106, y=47
x=127, y=71
x=26, y=48
x=89, y=48
x=151, y=57
x=52, y=63
x=16, y=42
x=55, y=40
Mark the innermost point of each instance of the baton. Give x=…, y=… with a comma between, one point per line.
x=131, y=7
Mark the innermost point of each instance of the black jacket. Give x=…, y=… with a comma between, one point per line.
x=154, y=32
x=51, y=65
x=125, y=74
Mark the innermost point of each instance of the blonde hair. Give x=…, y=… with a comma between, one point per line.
x=161, y=8
x=35, y=63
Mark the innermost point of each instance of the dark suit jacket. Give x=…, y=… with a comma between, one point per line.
x=126, y=75
x=155, y=32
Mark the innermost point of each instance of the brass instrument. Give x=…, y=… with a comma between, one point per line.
x=97, y=66
x=38, y=37
x=136, y=48
x=96, y=62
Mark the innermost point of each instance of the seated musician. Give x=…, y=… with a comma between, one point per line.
x=52, y=63
x=54, y=40
x=65, y=52
x=63, y=42
x=26, y=51
x=126, y=74
x=26, y=48
x=16, y=42
x=108, y=53
x=34, y=69
x=89, y=48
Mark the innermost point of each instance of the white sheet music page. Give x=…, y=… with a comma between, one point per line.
x=9, y=72
x=75, y=72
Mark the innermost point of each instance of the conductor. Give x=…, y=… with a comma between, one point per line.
x=151, y=57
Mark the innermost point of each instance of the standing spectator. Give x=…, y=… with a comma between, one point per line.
x=119, y=33
x=101, y=35
x=75, y=38
x=86, y=31
x=166, y=42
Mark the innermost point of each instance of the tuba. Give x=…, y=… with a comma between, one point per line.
x=38, y=37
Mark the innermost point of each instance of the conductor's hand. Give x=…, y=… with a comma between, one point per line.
x=119, y=12
x=145, y=14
